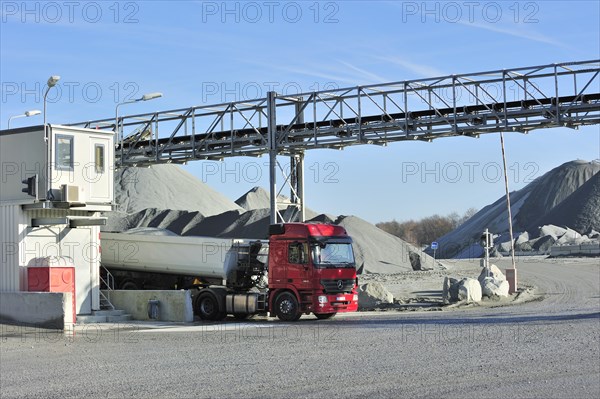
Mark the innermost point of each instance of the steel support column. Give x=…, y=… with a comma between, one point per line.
x=272, y=136
x=300, y=186
x=296, y=183
x=297, y=164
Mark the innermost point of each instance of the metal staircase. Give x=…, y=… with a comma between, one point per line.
x=107, y=283
x=107, y=313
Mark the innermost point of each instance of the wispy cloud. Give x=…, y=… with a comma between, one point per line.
x=425, y=71
x=350, y=74
x=374, y=78
x=529, y=35
x=315, y=73
x=331, y=74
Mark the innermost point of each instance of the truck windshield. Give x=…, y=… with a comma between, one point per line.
x=332, y=255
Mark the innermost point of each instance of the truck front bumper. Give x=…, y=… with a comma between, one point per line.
x=336, y=303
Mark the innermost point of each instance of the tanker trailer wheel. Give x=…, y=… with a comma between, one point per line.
x=324, y=316
x=207, y=307
x=129, y=285
x=286, y=307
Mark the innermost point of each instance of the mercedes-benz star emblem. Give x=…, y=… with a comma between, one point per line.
x=340, y=284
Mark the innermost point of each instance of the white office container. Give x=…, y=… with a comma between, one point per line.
x=62, y=217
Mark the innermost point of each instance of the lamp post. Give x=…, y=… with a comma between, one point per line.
x=52, y=81
x=119, y=133
x=26, y=114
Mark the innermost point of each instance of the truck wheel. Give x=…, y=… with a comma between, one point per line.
x=207, y=307
x=324, y=316
x=286, y=307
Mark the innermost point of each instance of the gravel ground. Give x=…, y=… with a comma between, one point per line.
x=546, y=348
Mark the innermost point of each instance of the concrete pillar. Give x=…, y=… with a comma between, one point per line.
x=511, y=277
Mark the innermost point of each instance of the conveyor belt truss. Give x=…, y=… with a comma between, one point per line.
x=507, y=100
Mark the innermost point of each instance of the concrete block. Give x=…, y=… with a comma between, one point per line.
x=590, y=247
x=174, y=305
x=40, y=309
x=574, y=250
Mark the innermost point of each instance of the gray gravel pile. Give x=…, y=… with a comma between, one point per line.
x=256, y=198
x=580, y=211
x=167, y=187
x=250, y=224
x=259, y=198
x=164, y=196
x=553, y=188
x=538, y=203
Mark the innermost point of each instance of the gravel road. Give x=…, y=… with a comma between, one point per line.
x=546, y=348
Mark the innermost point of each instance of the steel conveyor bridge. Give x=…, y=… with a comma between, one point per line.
x=507, y=100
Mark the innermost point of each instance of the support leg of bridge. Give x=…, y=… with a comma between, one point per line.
x=272, y=132
x=296, y=183
x=299, y=166
x=300, y=186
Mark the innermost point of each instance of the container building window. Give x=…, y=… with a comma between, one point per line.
x=64, y=152
x=99, y=158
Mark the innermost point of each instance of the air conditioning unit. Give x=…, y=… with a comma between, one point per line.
x=70, y=193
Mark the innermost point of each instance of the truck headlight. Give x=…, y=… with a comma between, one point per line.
x=355, y=298
x=322, y=299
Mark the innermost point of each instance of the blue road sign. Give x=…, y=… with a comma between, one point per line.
x=434, y=245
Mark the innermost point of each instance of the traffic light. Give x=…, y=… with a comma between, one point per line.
x=487, y=240
x=32, y=186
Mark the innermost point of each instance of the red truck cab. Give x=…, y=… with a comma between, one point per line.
x=311, y=270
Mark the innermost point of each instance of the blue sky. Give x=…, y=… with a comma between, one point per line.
x=202, y=52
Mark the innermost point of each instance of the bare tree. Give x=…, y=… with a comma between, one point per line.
x=426, y=230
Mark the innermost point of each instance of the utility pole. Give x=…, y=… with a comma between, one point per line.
x=511, y=274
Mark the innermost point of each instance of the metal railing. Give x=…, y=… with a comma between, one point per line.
x=108, y=284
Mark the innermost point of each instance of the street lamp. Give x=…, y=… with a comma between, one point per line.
x=27, y=114
x=145, y=97
x=52, y=81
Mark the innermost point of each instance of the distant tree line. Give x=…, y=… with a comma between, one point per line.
x=426, y=230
